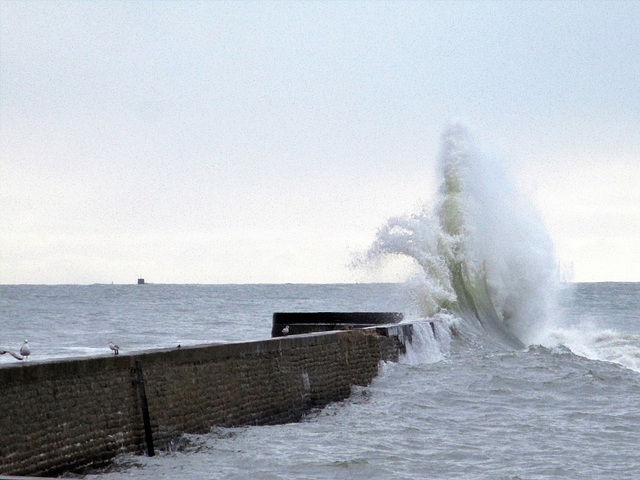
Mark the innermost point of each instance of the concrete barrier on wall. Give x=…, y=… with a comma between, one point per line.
x=68, y=415
x=295, y=323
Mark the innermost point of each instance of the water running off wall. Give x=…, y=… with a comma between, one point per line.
x=482, y=250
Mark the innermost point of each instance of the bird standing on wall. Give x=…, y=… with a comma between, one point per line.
x=285, y=330
x=115, y=348
x=25, y=351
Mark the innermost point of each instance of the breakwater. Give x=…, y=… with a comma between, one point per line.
x=68, y=415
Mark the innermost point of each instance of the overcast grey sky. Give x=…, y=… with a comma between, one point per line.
x=224, y=142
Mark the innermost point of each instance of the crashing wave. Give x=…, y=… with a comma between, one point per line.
x=483, y=252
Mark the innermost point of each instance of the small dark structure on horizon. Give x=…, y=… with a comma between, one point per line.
x=141, y=281
x=295, y=323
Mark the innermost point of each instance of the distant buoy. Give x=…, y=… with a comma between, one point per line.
x=141, y=281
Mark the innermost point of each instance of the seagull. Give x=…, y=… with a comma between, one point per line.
x=115, y=348
x=285, y=330
x=25, y=351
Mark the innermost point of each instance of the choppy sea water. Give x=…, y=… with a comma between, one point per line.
x=80, y=320
x=455, y=407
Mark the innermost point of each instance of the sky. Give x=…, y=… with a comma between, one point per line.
x=266, y=142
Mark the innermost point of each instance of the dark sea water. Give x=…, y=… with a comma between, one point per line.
x=461, y=406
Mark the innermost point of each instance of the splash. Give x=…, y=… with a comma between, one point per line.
x=483, y=252
x=431, y=340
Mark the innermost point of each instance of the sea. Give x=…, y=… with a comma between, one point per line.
x=525, y=375
x=455, y=406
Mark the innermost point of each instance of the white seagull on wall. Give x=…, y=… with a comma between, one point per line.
x=25, y=351
x=115, y=348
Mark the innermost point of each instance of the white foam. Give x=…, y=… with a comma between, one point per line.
x=590, y=342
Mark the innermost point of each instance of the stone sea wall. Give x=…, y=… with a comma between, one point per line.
x=68, y=415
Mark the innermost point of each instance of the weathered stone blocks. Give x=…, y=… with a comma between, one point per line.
x=58, y=416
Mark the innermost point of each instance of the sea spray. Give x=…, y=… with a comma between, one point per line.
x=420, y=238
x=505, y=252
x=483, y=252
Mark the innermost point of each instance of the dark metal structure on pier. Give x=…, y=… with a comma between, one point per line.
x=294, y=323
